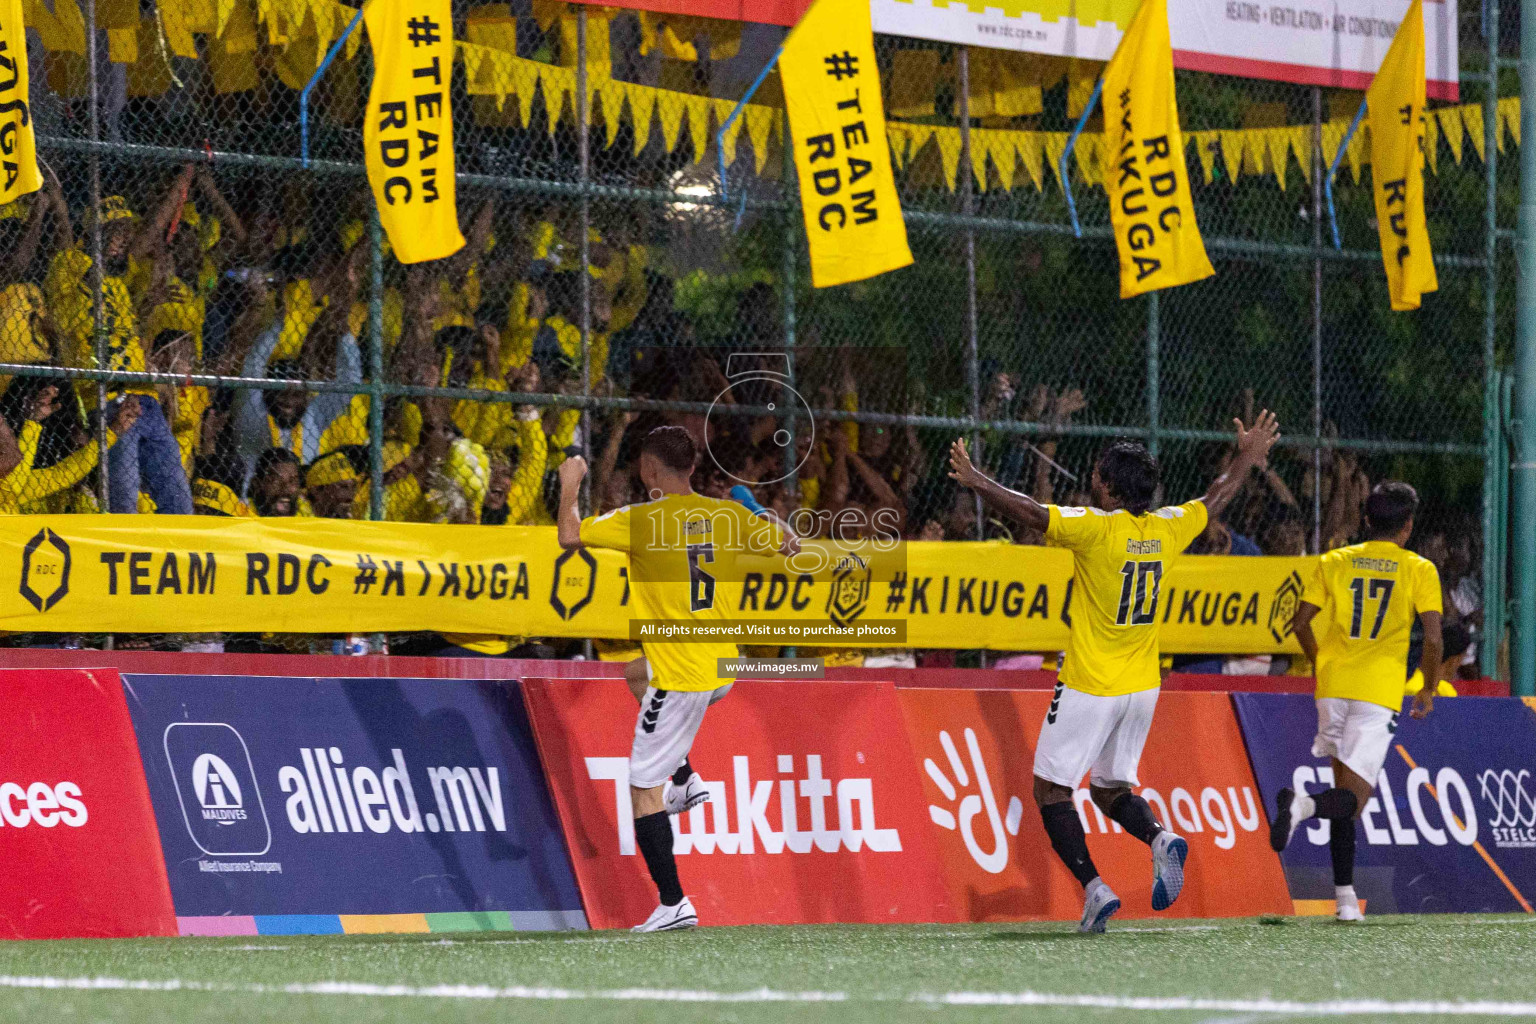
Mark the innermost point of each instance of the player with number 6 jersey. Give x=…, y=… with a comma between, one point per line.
x=1354, y=623
x=681, y=547
x=1107, y=689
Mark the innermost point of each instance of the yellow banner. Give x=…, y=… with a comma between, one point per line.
x=1144, y=169
x=408, y=131
x=18, y=149
x=195, y=574
x=837, y=121
x=1396, y=101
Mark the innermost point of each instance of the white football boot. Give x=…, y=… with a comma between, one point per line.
x=1168, y=855
x=670, y=919
x=1099, y=905
x=677, y=799
x=1347, y=905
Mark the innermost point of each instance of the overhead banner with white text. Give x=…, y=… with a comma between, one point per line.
x=196, y=574
x=1339, y=44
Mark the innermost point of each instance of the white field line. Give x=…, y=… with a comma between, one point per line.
x=1332, y=1008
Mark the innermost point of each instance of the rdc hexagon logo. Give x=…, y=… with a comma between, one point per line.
x=574, y=583
x=45, y=570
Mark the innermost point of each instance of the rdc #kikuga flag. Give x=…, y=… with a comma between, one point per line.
x=837, y=120
x=408, y=135
x=18, y=149
x=1396, y=101
x=1144, y=170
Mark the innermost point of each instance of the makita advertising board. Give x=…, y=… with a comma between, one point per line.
x=977, y=748
x=289, y=804
x=815, y=814
x=77, y=834
x=1452, y=826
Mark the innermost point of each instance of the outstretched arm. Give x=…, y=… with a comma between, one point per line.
x=1253, y=447
x=1021, y=506
x=568, y=522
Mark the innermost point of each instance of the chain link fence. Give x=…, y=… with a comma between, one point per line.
x=205, y=266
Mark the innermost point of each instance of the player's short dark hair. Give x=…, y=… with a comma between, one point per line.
x=1131, y=474
x=673, y=446
x=1390, y=507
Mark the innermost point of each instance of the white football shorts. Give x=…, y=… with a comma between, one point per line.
x=1105, y=734
x=1356, y=732
x=664, y=732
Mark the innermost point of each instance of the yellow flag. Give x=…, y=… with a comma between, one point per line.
x=847, y=191
x=18, y=149
x=1144, y=170
x=1396, y=104
x=408, y=134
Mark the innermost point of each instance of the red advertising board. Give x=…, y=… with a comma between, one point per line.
x=78, y=841
x=975, y=749
x=814, y=816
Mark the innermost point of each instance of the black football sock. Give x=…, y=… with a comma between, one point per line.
x=1336, y=804
x=1135, y=815
x=653, y=834
x=1066, y=831
x=680, y=777
x=1341, y=845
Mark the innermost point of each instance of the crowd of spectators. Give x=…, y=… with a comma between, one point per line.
x=275, y=286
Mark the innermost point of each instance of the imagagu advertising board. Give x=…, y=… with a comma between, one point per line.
x=314, y=805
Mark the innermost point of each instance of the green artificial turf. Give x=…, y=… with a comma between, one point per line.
x=880, y=974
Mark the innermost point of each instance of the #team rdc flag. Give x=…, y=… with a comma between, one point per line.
x=1396, y=100
x=18, y=148
x=1144, y=170
x=408, y=134
x=837, y=120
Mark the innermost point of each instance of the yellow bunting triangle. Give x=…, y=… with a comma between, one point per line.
x=671, y=114
x=1232, y=146
x=612, y=94
x=1452, y=128
x=1000, y=145
x=980, y=142
x=1509, y=114
x=1205, y=150
x=948, y=140
x=1278, y=143
x=1472, y=117
x=642, y=106
x=1055, y=145
x=759, y=125
x=1031, y=152
x=723, y=110
x=698, y=124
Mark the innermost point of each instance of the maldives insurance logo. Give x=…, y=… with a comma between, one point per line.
x=216, y=785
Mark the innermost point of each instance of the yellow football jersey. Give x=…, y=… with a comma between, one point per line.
x=681, y=551
x=1119, y=561
x=1370, y=595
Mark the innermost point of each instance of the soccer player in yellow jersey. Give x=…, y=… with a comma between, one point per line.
x=680, y=547
x=1353, y=622
x=1107, y=689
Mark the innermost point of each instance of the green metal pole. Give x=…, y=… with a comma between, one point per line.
x=1522, y=468
x=1493, y=525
